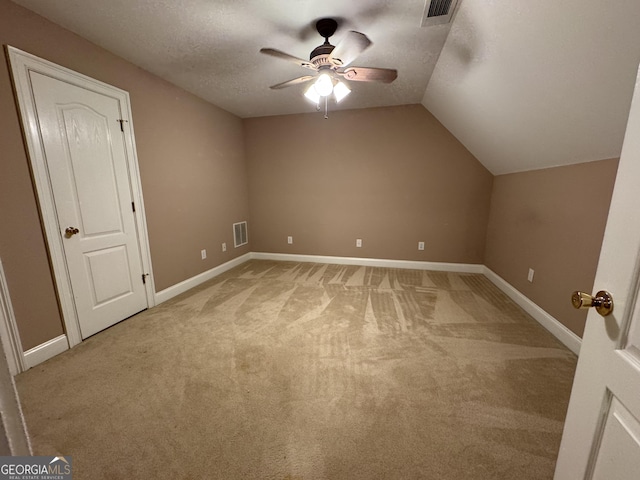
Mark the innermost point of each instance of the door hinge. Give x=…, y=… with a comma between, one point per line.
x=133, y=206
x=121, y=124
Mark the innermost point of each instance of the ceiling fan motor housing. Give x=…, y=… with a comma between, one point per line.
x=326, y=27
x=325, y=49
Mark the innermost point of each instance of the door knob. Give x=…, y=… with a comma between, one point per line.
x=603, y=301
x=70, y=232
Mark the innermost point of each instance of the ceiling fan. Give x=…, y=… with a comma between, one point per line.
x=330, y=64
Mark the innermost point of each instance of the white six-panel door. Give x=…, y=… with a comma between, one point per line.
x=601, y=438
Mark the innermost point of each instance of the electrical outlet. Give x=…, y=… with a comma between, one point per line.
x=289, y=239
x=530, y=275
x=224, y=247
x=420, y=245
x=358, y=242
x=203, y=253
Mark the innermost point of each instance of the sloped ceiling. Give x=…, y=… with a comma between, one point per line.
x=532, y=84
x=522, y=84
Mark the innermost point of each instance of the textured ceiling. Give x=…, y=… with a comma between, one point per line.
x=522, y=84
x=211, y=47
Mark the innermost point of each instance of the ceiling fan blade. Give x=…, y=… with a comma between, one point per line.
x=295, y=81
x=352, y=45
x=365, y=74
x=285, y=56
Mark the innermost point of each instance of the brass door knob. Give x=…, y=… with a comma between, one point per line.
x=603, y=301
x=70, y=232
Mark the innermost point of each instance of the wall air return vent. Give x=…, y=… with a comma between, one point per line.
x=438, y=12
x=240, y=234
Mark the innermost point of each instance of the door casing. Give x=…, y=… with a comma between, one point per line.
x=22, y=63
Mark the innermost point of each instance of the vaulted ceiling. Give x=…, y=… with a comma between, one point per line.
x=531, y=84
x=521, y=84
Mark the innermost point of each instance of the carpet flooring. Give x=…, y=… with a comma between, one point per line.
x=300, y=371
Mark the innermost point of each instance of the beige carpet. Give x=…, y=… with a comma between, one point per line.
x=280, y=370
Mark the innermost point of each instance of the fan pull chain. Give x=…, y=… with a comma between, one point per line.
x=326, y=107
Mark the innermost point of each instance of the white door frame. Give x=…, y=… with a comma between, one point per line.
x=21, y=64
x=9, y=329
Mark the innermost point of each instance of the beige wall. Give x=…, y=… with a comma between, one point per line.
x=191, y=162
x=553, y=221
x=392, y=176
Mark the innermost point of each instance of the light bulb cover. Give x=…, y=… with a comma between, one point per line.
x=340, y=91
x=324, y=85
x=312, y=95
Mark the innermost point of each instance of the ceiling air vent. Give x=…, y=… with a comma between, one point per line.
x=437, y=12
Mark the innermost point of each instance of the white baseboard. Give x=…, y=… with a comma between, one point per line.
x=178, y=288
x=557, y=329
x=45, y=351
x=372, y=262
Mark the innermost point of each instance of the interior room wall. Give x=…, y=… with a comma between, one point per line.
x=191, y=162
x=551, y=220
x=391, y=176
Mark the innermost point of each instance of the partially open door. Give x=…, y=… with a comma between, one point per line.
x=601, y=437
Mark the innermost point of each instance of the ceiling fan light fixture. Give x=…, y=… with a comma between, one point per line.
x=340, y=91
x=312, y=95
x=323, y=86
